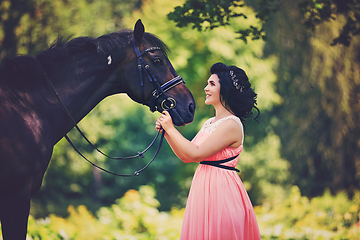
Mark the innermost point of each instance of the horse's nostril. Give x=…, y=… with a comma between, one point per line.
x=192, y=108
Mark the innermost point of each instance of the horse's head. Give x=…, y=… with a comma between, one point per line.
x=152, y=80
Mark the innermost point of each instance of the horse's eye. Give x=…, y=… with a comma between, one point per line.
x=157, y=61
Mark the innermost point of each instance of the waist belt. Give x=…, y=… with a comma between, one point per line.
x=218, y=163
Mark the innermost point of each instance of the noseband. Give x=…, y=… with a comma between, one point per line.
x=168, y=102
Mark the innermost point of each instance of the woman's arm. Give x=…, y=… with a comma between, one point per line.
x=228, y=133
x=177, y=152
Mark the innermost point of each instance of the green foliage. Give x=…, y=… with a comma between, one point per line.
x=197, y=12
x=210, y=14
x=317, y=12
x=320, y=218
x=317, y=120
x=27, y=27
x=134, y=216
x=265, y=183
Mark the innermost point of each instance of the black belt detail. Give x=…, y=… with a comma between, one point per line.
x=218, y=163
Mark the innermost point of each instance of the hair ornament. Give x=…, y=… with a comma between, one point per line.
x=236, y=81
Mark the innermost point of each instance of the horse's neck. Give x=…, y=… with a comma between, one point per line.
x=80, y=88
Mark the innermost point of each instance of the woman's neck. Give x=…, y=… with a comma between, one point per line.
x=221, y=112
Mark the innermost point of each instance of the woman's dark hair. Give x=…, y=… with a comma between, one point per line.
x=235, y=91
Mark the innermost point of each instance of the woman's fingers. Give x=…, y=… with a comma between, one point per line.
x=158, y=127
x=164, y=121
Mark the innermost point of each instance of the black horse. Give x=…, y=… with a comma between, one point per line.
x=82, y=71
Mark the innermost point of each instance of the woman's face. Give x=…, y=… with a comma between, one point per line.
x=212, y=90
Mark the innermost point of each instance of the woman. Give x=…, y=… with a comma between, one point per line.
x=218, y=206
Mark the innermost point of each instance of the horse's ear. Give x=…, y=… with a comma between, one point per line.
x=139, y=30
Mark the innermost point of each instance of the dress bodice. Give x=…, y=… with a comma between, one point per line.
x=208, y=127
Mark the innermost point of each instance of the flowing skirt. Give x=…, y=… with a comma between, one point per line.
x=218, y=207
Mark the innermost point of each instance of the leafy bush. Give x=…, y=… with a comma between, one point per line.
x=134, y=216
x=297, y=217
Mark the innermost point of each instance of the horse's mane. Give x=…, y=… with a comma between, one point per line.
x=27, y=70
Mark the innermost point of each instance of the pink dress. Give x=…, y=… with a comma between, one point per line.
x=218, y=206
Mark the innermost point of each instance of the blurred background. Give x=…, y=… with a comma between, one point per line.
x=301, y=161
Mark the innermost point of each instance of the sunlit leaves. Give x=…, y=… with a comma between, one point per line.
x=297, y=217
x=38, y=23
x=317, y=12
x=210, y=14
x=133, y=216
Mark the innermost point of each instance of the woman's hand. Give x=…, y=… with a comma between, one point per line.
x=164, y=121
x=158, y=126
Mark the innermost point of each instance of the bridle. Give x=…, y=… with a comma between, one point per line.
x=167, y=103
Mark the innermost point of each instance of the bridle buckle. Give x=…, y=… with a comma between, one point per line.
x=168, y=103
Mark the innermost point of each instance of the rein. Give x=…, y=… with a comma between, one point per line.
x=136, y=173
x=166, y=104
x=140, y=154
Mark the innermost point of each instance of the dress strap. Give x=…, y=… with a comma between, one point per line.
x=217, y=163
